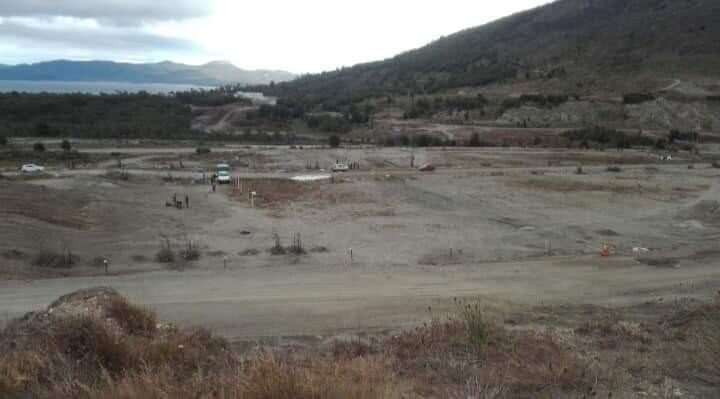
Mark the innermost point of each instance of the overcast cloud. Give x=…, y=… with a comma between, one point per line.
x=119, y=12
x=100, y=39
x=294, y=35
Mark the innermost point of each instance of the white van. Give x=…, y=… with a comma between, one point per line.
x=223, y=173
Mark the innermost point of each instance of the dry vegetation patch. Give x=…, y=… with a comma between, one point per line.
x=59, y=207
x=95, y=344
x=277, y=193
x=272, y=192
x=569, y=185
x=693, y=343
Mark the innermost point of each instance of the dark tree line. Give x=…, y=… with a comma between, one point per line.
x=120, y=115
x=608, y=137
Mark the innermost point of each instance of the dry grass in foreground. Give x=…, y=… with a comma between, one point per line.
x=95, y=344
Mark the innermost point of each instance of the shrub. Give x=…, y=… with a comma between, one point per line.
x=544, y=101
x=190, y=252
x=677, y=135
x=54, y=260
x=715, y=164
x=133, y=319
x=297, y=247
x=39, y=147
x=613, y=169
x=334, y=141
x=66, y=145
x=465, y=102
x=87, y=340
x=165, y=254
x=637, y=98
x=3, y=141
x=329, y=124
x=610, y=136
x=202, y=150
x=277, y=249
x=661, y=144
x=477, y=331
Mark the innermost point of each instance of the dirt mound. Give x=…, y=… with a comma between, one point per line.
x=100, y=303
x=60, y=207
x=707, y=211
x=94, y=338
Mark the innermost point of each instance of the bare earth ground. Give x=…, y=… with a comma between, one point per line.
x=517, y=228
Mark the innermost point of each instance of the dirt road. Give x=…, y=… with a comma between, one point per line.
x=312, y=300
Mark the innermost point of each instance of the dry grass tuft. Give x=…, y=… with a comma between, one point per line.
x=359, y=377
x=165, y=254
x=611, y=333
x=133, y=319
x=87, y=341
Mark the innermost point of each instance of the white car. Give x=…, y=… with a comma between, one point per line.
x=340, y=167
x=223, y=177
x=32, y=168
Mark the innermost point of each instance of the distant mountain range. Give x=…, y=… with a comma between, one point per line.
x=211, y=74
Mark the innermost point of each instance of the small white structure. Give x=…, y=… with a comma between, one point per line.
x=310, y=178
x=257, y=98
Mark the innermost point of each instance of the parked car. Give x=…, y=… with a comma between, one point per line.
x=223, y=173
x=340, y=167
x=32, y=168
x=427, y=168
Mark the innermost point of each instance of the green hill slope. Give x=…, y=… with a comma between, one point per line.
x=571, y=40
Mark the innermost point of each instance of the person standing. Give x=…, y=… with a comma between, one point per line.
x=187, y=201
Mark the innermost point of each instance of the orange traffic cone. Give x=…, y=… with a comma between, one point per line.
x=606, y=250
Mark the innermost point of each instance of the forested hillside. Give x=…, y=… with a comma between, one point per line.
x=573, y=40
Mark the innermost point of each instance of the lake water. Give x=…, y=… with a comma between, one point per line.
x=40, y=86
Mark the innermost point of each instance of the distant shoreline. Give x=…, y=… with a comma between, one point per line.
x=93, y=87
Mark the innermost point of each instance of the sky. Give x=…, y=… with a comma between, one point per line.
x=301, y=36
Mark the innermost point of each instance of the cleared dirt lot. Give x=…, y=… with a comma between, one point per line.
x=517, y=228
